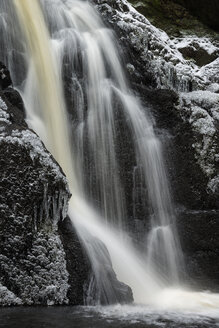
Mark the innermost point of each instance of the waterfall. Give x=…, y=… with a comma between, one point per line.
x=67, y=37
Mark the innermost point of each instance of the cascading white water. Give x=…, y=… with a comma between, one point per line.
x=84, y=37
x=78, y=35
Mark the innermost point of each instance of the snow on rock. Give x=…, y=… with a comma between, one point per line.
x=8, y=298
x=34, y=197
x=40, y=277
x=192, y=40
x=4, y=116
x=210, y=73
x=31, y=141
x=157, y=51
x=201, y=110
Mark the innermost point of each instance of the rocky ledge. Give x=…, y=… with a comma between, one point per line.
x=33, y=198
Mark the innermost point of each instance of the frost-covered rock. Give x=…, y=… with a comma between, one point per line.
x=157, y=52
x=201, y=110
x=33, y=199
x=39, y=277
x=8, y=298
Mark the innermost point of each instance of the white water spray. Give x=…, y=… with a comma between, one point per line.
x=75, y=24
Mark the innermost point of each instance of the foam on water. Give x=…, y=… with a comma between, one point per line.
x=158, y=316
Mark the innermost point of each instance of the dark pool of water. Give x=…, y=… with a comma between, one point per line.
x=113, y=317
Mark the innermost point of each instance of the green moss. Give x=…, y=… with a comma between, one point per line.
x=206, y=11
x=172, y=18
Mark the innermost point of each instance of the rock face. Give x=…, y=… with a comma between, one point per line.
x=183, y=96
x=172, y=17
x=206, y=11
x=77, y=263
x=197, y=206
x=103, y=286
x=33, y=197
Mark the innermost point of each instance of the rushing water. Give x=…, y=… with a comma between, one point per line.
x=77, y=25
x=59, y=35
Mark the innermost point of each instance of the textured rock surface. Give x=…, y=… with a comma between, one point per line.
x=199, y=235
x=78, y=265
x=207, y=11
x=172, y=17
x=103, y=286
x=33, y=197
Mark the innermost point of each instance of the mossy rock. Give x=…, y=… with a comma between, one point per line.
x=172, y=17
x=206, y=11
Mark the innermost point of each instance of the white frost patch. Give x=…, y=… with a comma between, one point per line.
x=213, y=184
x=201, y=109
x=202, y=121
x=3, y=104
x=4, y=116
x=214, y=87
x=37, y=150
x=189, y=41
x=8, y=298
x=207, y=100
x=159, y=53
x=209, y=73
x=41, y=277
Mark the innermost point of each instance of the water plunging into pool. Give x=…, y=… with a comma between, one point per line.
x=60, y=35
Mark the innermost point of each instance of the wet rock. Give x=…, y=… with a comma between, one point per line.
x=103, y=286
x=78, y=265
x=5, y=79
x=199, y=232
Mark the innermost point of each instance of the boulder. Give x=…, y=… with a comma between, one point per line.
x=77, y=262
x=33, y=198
x=103, y=286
